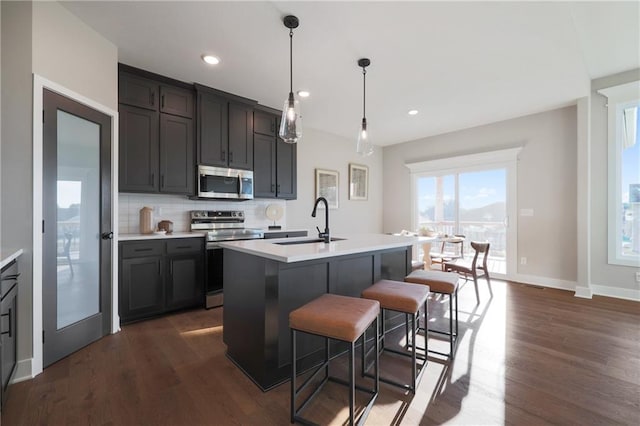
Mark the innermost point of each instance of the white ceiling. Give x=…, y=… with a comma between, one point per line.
x=461, y=64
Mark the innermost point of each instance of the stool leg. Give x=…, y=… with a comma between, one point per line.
x=426, y=330
x=293, y=375
x=377, y=351
x=406, y=330
x=327, y=355
x=413, y=351
x=451, y=324
x=352, y=384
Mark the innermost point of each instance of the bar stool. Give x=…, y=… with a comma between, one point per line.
x=445, y=283
x=339, y=318
x=407, y=299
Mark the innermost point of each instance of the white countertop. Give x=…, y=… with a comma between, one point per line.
x=356, y=243
x=7, y=255
x=132, y=237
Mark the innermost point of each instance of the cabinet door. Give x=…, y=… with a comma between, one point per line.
x=185, y=287
x=240, y=136
x=138, y=168
x=212, y=137
x=8, y=338
x=176, y=154
x=264, y=123
x=286, y=170
x=176, y=101
x=141, y=288
x=264, y=166
x=137, y=91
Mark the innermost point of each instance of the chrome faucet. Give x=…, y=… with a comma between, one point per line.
x=325, y=234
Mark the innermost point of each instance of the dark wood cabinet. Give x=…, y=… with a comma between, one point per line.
x=176, y=101
x=138, y=154
x=275, y=162
x=160, y=276
x=264, y=123
x=240, y=136
x=8, y=326
x=137, y=91
x=224, y=137
x=156, y=134
x=176, y=154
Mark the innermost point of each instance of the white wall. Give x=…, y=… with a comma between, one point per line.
x=605, y=279
x=17, y=155
x=546, y=183
x=326, y=151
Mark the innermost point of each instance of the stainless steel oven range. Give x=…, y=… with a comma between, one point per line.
x=221, y=225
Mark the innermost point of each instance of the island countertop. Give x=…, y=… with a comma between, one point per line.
x=347, y=244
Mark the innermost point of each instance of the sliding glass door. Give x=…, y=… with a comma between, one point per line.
x=469, y=203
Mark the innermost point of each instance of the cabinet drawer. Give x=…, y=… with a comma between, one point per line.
x=264, y=123
x=176, y=101
x=141, y=249
x=137, y=91
x=184, y=245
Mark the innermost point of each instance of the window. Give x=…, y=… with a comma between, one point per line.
x=624, y=173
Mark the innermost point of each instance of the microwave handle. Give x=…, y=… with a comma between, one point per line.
x=239, y=185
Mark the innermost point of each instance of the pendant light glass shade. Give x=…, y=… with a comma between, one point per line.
x=364, y=146
x=291, y=123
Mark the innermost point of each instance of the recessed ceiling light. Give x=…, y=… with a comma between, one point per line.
x=303, y=93
x=210, y=59
x=413, y=112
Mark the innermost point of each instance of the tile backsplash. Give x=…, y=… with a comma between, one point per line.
x=176, y=208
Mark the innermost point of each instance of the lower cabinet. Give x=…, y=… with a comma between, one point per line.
x=8, y=329
x=160, y=276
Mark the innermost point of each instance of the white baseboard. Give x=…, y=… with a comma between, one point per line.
x=584, y=292
x=619, y=293
x=23, y=371
x=545, y=282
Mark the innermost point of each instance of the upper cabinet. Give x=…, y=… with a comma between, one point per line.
x=225, y=129
x=275, y=165
x=156, y=133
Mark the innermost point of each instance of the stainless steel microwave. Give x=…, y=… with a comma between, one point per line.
x=223, y=183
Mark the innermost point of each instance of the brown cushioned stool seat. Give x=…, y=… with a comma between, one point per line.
x=408, y=299
x=340, y=318
x=445, y=283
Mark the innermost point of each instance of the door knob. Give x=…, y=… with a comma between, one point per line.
x=107, y=235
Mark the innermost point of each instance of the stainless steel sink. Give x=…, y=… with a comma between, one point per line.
x=311, y=241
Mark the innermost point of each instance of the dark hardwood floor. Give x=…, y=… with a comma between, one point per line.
x=527, y=356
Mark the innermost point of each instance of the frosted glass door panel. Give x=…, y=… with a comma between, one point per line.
x=78, y=219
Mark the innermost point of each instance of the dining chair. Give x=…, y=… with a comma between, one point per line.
x=476, y=268
x=451, y=248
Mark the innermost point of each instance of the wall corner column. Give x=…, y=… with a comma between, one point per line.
x=583, y=219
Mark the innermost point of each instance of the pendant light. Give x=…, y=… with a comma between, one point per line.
x=364, y=147
x=291, y=123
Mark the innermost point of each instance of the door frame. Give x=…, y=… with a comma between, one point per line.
x=39, y=84
x=500, y=159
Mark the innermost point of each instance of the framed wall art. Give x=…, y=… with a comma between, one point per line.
x=327, y=187
x=358, y=182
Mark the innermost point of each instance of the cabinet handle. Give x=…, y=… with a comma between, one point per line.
x=278, y=186
x=224, y=156
x=143, y=249
x=273, y=188
x=11, y=277
x=153, y=179
x=161, y=181
x=171, y=268
x=10, y=327
x=152, y=98
x=162, y=101
x=159, y=271
x=230, y=156
x=273, y=126
x=183, y=247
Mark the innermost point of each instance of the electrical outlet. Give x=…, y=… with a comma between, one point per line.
x=523, y=260
x=638, y=277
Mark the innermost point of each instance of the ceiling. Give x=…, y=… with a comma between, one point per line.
x=460, y=64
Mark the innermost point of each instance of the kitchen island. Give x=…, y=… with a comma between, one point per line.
x=264, y=280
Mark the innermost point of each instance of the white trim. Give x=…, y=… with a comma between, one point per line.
x=500, y=159
x=583, y=292
x=40, y=83
x=617, y=292
x=23, y=371
x=483, y=160
x=617, y=97
x=545, y=282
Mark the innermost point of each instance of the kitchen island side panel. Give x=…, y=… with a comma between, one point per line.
x=244, y=311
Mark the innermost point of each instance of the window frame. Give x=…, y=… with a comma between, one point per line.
x=618, y=97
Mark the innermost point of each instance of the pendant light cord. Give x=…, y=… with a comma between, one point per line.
x=291, y=60
x=364, y=92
